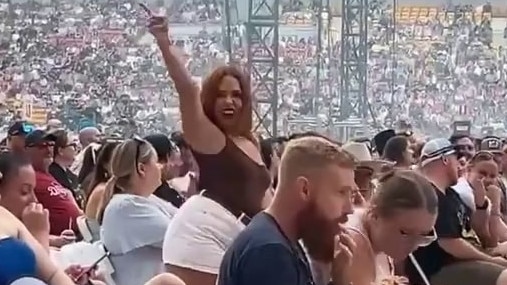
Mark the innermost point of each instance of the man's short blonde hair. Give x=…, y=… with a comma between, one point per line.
x=307, y=154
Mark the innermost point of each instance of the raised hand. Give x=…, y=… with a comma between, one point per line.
x=358, y=199
x=343, y=254
x=36, y=219
x=477, y=185
x=157, y=24
x=494, y=194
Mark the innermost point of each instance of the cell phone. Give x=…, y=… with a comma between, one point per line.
x=145, y=8
x=92, y=267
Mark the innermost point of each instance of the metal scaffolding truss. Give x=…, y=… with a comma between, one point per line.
x=262, y=39
x=354, y=49
x=230, y=24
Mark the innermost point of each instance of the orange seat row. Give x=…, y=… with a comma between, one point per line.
x=412, y=14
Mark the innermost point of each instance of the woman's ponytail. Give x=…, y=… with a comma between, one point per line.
x=109, y=190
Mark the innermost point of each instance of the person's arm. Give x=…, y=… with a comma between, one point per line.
x=269, y=265
x=360, y=269
x=462, y=249
x=198, y=130
x=94, y=202
x=480, y=223
x=478, y=207
x=448, y=228
x=497, y=227
x=46, y=269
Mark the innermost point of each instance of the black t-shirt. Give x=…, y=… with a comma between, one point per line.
x=261, y=254
x=452, y=221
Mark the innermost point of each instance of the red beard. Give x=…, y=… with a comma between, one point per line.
x=317, y=233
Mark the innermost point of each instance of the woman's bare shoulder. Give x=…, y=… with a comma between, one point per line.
x=10, y=225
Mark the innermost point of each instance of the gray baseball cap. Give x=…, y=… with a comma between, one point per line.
x=435, y=149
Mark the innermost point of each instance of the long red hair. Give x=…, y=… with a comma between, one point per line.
x=209, y=94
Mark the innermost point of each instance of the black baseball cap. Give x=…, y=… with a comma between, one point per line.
x=20, y=128
x=162, y=145
x=492, y=144
x=38, y=137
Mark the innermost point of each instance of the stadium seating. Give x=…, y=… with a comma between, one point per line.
x=413, y=14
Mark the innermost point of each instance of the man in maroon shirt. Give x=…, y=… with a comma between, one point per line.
x=63, y=209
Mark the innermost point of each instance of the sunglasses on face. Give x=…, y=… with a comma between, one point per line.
x=421, y=240
x=42, y=145
x=72, y=144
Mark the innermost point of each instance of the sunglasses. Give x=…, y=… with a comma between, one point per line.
x=422, y=240
x=139, y=141
x=73, y=144
x=27, y=128
x=44, y=144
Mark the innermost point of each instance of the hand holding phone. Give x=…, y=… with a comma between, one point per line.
x=157, y=24
x=146, y=9
x=90, y=268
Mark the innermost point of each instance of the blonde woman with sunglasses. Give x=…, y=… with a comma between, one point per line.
x=134, y=220
x=399, y=218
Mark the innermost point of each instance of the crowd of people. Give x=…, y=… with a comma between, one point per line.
x=214, y=204
x=140, y=180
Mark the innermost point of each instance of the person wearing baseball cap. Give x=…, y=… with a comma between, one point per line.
x=435, y=150
x=452, y=258
x=16, y=136
x=60, y=202
x=494, y=145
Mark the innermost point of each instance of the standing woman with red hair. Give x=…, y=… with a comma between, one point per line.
x=217, y=124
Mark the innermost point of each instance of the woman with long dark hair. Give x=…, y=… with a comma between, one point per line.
x=100, y=175
x=88, y=161
x=217, y=124
x=24, y=229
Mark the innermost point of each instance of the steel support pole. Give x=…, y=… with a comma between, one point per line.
x=353, y=58
x=263, y=41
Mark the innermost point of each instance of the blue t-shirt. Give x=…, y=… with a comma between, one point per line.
x=18, y=260
x=261, y=254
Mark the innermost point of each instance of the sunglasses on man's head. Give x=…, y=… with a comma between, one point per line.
x=27, y=128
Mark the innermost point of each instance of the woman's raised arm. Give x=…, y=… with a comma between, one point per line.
x=198, y=130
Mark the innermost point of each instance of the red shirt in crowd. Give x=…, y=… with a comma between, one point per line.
x=59, y=201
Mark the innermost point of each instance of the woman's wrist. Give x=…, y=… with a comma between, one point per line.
x=164, y=41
